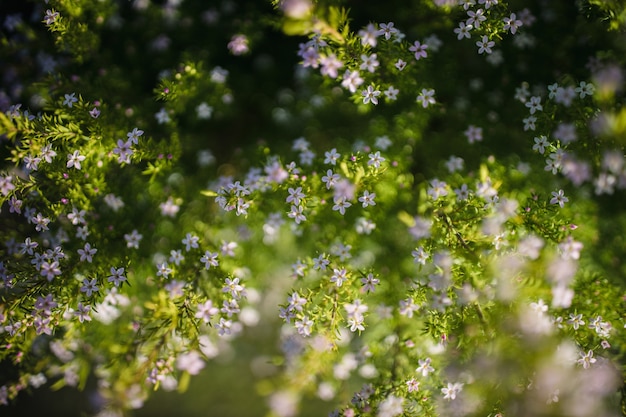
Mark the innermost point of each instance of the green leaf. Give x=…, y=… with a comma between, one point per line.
x=183, y=383
x=406, y=218
x=293, y=27
x=208, y=193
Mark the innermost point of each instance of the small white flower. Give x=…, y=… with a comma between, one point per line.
x=74, y=160
x=559, y=198
x=426, y=97
x=370, y=95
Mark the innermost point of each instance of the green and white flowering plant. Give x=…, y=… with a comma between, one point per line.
x=424, y=212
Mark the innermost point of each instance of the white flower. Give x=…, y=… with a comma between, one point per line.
x=375, y=159
x=559, y=198
x=512, y=23
x=331, y=156
x=463, y=31
x=485, y=45
x=370, y=62
x=368, y=199
x=387, y=30
x=420, y=256
x=391, y=406
x=204, y=111
x=586, y=359
x=74, y=160
x=370, y=95
x=534, y=104
x=419, y=50
x=450, y=392
x=190, y=362
x=426, y=97
x=424, y=367
x=162, y=116
x=585, y=89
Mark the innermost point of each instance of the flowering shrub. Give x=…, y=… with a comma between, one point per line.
x=421, y=201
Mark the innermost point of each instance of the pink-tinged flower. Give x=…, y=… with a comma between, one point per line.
x=50, y=17
x=238, y=45
x=190, y=362
x=419, y=50
x=206, y=311
x=370, y=95
x=387, y=30
x=586, y=359
x=330, y=64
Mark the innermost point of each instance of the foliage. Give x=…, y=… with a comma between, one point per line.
x=444, y=235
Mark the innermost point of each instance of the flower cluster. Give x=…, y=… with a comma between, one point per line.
x=411, y=242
